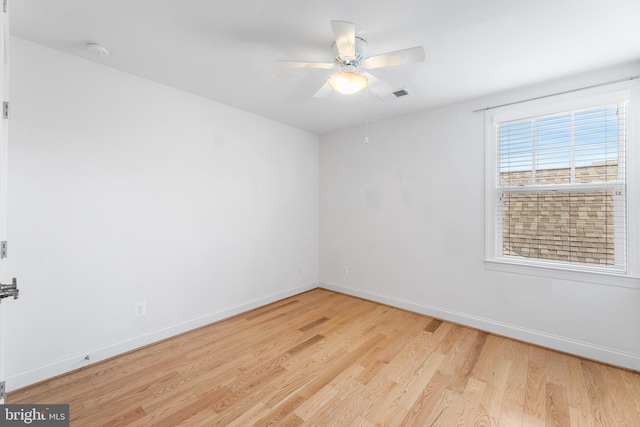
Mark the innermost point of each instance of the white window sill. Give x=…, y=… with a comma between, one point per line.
x=600, y=278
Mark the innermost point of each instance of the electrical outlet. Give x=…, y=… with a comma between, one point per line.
x=345, y=270
x=140, y=309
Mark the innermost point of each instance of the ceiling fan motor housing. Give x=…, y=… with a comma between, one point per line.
x=351, y=63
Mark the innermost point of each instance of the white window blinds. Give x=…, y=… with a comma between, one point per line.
x=561, y=187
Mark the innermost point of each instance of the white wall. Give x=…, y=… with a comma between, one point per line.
x=122, y=190
x=406, y=215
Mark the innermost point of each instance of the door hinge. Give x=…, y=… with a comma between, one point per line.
x=5, y=110
x=3, y=391
x=11, y=290
x=4, y=6
x=3, y=249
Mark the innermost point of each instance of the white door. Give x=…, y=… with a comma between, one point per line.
x=4, y=71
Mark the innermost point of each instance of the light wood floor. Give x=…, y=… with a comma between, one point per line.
x=327, y=359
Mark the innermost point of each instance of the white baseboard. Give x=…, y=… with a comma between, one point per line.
x=76, y=361
x=567, y=345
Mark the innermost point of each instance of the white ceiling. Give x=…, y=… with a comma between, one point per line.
x=227, y=50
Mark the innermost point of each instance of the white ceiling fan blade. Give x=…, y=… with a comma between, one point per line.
x=399, y=57
x=324, y=91
x=345, y=34
x=303, y=64
x=377, y=86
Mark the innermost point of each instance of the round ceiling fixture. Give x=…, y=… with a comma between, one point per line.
x=98, y=49
x=347, y=82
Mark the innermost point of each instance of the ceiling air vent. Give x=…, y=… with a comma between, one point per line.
x=398, y=93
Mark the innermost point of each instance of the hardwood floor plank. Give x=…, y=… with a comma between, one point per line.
x=344, y=409
x=579, y=418
x=433, y=325
x=555, y=368
x=469, y=354
x=204, y=382
x=158, y=409
x=557, y=406
x=414, y=387
x=250, y=416
x=283, y=413
x=246, y=392
x=316, y=403
x=313, y=324
x=511, y=412
x=203, y=418
x=472, y=397
x=383, y=404
x=450, y=339
x=535, y=403
x=391, y=416
x=603, y=408
x=404, y=330
x=338, y=365
x=296, y=377
x=492, y=401
x=627, y=406
x=529, y=420
x=128, y=418
x=323, y=358
x=361, y=422
x=483, y=369
x=409, y=359
x=304, y=344
x=577, y=396
x=203, y=403
x=371, y=370
x=423, y=411
x=519, y=364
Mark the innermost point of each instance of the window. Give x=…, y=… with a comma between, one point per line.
x=557, y=185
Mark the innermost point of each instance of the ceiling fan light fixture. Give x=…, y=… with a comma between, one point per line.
x=347, y=82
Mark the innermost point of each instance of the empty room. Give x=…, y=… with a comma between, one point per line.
x=336, y=213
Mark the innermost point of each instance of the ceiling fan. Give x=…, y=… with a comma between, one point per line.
x=351, y=59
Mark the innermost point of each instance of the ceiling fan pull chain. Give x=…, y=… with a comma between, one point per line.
x=366, y=115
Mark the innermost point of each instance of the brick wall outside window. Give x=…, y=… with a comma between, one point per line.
x=560, y=225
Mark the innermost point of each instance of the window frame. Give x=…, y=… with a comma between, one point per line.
x=627, y=91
